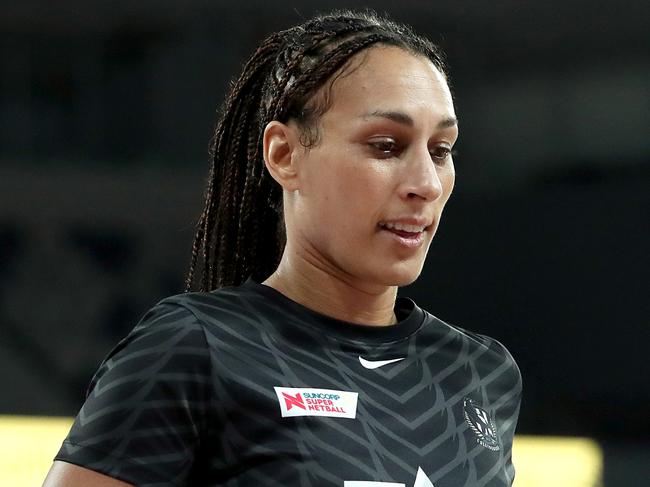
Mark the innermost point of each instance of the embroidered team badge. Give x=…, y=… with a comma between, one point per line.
x=303, y=401
x=482, y=424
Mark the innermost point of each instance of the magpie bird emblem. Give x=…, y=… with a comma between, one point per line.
x=482, y=424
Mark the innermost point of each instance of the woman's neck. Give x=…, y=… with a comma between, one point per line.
x=338, y=296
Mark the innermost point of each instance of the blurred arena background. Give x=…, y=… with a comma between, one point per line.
x=106, y=110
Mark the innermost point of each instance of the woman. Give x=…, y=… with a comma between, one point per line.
x=295, y=364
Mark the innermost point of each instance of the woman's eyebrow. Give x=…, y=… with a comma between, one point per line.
x=406, y=119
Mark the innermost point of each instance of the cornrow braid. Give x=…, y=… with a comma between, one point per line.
x=240, y=232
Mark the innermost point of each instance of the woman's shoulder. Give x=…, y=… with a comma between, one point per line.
x=483, y=347
x=219, y=307
x=491, y=364
x=474, y=338
x=484, y=340
x=193, y=317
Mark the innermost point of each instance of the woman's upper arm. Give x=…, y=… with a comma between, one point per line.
x=63, y=474
x=147, y=406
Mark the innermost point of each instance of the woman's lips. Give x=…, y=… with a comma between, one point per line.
x=406, y=239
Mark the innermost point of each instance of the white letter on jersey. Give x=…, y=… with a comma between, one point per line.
x=421, y=480
x=365, y=483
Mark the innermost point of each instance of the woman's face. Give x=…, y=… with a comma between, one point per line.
x=372, y=190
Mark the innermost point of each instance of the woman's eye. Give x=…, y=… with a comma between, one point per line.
x=441, y=153
x=386, y=147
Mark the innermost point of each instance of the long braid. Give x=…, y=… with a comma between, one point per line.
x=257, y=219
x=240, y=232
x=226, y=174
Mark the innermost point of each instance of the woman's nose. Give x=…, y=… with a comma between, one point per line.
x=422, y=179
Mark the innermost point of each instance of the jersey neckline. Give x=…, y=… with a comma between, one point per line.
x=409, y=314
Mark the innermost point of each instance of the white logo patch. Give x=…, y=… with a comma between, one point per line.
x=302, y=401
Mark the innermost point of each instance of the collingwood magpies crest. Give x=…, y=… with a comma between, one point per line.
x=481, y=423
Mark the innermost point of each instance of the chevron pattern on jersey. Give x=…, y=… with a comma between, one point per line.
x=188, y=398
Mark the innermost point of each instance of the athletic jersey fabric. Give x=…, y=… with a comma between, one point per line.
x=244, y=387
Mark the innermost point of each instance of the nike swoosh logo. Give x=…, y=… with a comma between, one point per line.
x=375, y=364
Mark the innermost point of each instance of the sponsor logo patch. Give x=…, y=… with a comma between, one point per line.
x=304, y=401
x=482, y=424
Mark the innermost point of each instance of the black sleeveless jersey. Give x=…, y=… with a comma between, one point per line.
x=243, y=387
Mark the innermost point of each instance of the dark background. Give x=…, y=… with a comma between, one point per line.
x=106, y=110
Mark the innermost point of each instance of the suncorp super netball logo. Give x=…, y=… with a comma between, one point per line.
x=316, y=402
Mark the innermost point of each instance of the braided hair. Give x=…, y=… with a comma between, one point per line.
x=240, y=232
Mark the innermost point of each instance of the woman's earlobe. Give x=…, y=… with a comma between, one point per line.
x=279, y=144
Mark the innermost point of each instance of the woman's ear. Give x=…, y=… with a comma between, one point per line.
x=281, y=146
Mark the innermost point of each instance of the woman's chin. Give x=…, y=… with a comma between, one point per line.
x=401, y=275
